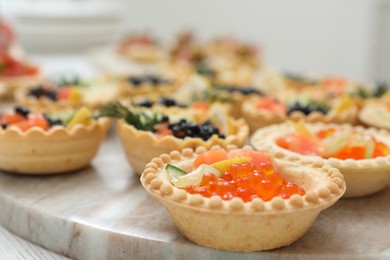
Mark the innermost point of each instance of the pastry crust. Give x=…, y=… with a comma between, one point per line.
x=143, y=146
x=363, y=177
x=375, y=114
x=14, y=83
x=259, y=118
x=238, y=226
x=57, y=150
x=126, y=90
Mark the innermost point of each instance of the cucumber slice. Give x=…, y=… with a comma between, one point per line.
x=174, y=173
x=195, y=177
x=370, y=148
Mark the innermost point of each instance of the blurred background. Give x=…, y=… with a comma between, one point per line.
x=348, y=38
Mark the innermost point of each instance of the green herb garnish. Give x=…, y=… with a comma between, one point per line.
x=380, y=89
x=211, y=96
x=362, y=92
x=300, y=78
x=140, y=120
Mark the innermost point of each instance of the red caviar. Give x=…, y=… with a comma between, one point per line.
x=247, y=181
x=271, y=104
x=307, y=145
x=24, y=122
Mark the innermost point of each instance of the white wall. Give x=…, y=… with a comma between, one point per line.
x=320, y=36
x=337, y=37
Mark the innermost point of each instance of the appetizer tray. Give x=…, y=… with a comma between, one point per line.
x=103, y=212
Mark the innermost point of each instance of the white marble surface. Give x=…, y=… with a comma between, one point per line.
x=103, y=213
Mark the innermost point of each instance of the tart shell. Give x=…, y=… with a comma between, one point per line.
x=143, y=146
x=258, y=118
x=14, y=83
x=363, y=177
x=370, y=115
x=57, y=150
x=237, y=226
x=129, y=91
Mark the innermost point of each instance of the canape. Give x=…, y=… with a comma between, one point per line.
x=264, y=111
x=362, y=155
x=48, y=96
x=375, y=114
x=240, y=199
x=36, y=143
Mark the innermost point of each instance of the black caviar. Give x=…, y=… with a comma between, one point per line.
x=153, y=80
x=307, y=108
x=145, y=103
x=243, y=90
x=183, y=129
x=42, y=91
x=163, y=101
x=22, y=111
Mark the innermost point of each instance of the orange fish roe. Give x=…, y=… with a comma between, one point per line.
x=246, y=181
x=306, y=145
x=322, y=134
x=271, y=104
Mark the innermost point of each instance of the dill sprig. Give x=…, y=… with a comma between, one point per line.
x=140, y=120
x=362, y=92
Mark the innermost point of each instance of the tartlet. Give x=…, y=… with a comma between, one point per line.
x=93, y=95
x=375, y=114
x=152, y=145
x=236, y=96
x=363, y=177
x=146, y=84
x=50, y=151
x=259, y=118
x=235, y=225
x=140, y=48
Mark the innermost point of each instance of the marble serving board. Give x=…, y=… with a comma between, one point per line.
x=103, y=213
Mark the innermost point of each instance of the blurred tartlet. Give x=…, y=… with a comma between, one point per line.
x=226, y=222
x=362, y=155
x=146, y=84
x=375, y=114
x=35, y=143
x=50, y=96
x=265, y=111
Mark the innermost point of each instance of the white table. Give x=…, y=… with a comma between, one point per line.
x=14, y=247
